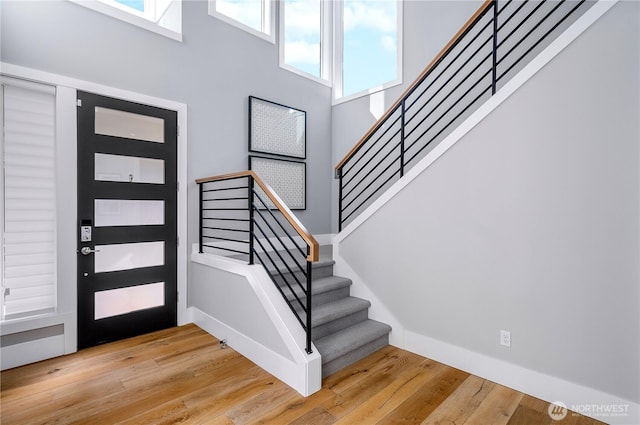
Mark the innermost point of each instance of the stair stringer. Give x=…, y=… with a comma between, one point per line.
x=283, y=355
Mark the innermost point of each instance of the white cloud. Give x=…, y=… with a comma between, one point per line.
x=302, y=18
x=388, y=43
x=378, y=15
x=302, y=52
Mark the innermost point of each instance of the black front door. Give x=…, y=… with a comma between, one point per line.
x=127, y=211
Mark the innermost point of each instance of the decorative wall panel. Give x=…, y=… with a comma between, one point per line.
x=276, y=129
x=287, y=179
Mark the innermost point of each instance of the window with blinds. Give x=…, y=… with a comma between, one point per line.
x=29, y=201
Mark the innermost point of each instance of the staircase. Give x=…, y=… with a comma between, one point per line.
x=339, y=325
x=494, y=45
x=341, y=329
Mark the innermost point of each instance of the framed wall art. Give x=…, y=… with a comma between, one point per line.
x=287, y=178
x=277, y=129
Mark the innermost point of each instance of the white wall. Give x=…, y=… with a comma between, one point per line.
x=530, y=223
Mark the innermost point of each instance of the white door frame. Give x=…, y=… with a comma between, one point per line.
x=66, y=139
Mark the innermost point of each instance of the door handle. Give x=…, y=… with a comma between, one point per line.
x=85, y=250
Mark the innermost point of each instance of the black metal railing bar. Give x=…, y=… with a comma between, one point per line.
x=237, y=219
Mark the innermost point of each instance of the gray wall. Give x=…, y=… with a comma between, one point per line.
x=222, y=294
x=530, y=223
x=427, y=26
x=213, y=71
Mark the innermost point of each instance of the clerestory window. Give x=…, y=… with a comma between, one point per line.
x=353, y=45
x=368, y=50
x=305, y=38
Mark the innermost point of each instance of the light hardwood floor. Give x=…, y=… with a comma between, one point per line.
x=181, y=375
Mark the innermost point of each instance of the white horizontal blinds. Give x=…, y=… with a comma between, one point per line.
x=29, y=272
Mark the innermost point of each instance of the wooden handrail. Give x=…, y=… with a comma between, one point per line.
x=314, y=250
x=415, y=83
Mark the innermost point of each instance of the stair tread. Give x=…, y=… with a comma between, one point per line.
x=334, y=310
x=346, y=340
x=322, y=285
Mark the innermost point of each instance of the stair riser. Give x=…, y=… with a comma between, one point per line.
x=353, y=356
x=339, y=324
x=322, y=271
x=329, y=296
x=325, y=297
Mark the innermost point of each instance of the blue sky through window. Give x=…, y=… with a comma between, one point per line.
x=370, y=44
x=370, y=41
x=134, y=4
x=302, y=35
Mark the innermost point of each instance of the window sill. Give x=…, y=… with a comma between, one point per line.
x=22, y=324
x=224, y=18
x=129, y=18
x=337, y=101
x=306, y=75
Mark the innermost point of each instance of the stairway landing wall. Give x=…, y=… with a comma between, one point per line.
x=530, y=223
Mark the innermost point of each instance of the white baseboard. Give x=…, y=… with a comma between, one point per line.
x=292, y=373
x=584, y=400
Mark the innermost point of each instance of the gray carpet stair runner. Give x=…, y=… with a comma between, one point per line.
x=341, y=329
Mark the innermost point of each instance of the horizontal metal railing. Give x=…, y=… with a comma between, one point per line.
x=241, y=216
x=495, y=43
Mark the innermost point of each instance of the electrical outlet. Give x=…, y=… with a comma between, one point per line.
x=505, y=338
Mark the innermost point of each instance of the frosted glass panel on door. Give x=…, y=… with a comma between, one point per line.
x=120, y=168
x=112, y=122
x=127, y=256
x=128, y=212
x=115, y=302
